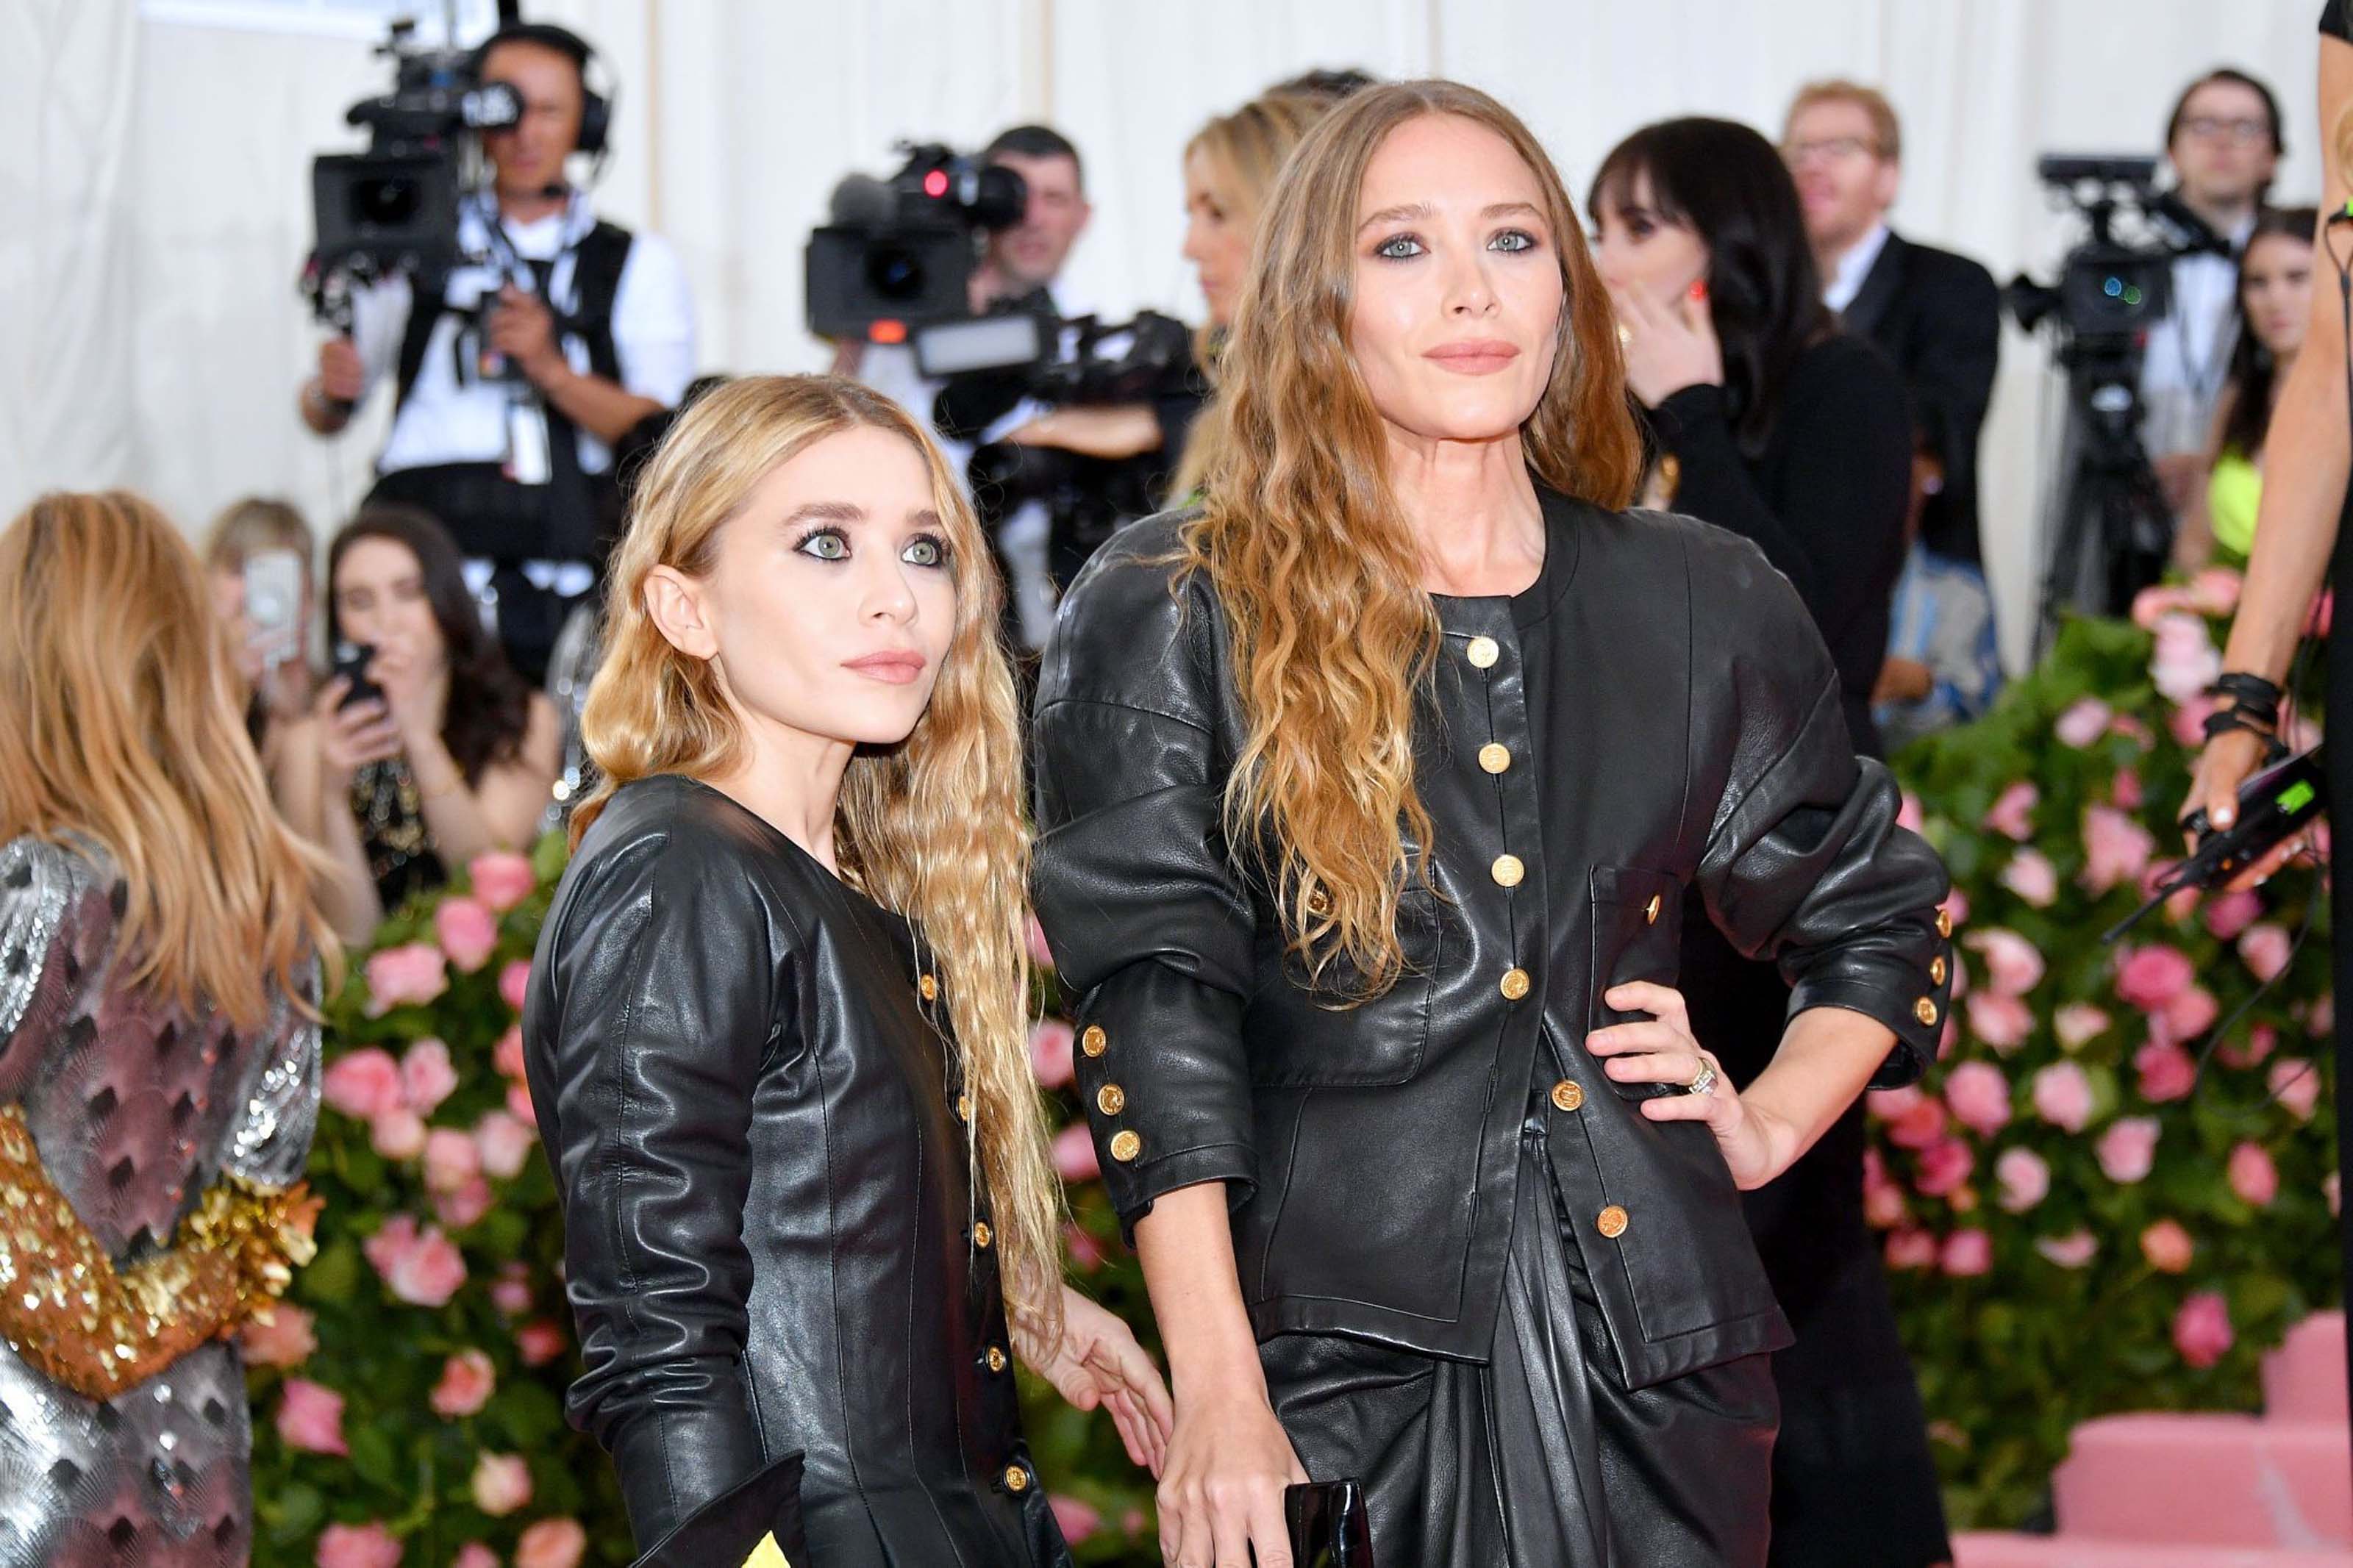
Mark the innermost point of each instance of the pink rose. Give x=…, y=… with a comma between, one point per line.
x=504, y=1143
x=2002, y=1022
x=2186, y=723
x=2167, y=1072
x=1957, y=905
x=2071, y=1250
x=1909, y=814
x=2138, y=732
x=451, y=1160
x=507, y=1055
x=1979, y=1096
x=2127, y=1150
x=474, y=1554
x=427, y=1079
x=1086, y=1253
x=2063, y=1096
x=2084, y=722
x=2012, y=811
x=1051, y=1056
x=311, y=1418
x=2215, y=591
x=510, y=1292
x=362, y=1084
x=456, y=1210
x=1967, y=1253
x=1076, y=1518
x=1921, y=1124
x=2149, y=977
x=501, y=1484
x=2025, y=1178
x=1944, y=1166
x=2296, y=1086
x=2152, y=605
x=2126, y=794
x=2252, y=1175
x=1883, y=1207
x=2321, y=1020
x=519, y=1103
x=2032, y=878
x=2228, y=914
x=397, y=1135
x=2201, y=1330
x=2185, y=660
x=2116, y=849
x=1034, y=935
x=423, y=1269
x=2168, y=1246
x=552, y=1543
x=392, y=1242
x=501, y=880
x=1911, y=1249
x=466, y=1380
x=415, y=973
x=2013, y=965
x=540, y=1341
x=2264, y=948
x=284, y=1339
x=2191, y=1014
x=2077, y=1024
x=369, y=1545
x=1074, y=1154
x=468, y=931
x=514, y=984
x=2259, y=1042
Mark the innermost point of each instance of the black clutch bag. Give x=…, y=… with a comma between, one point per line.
x=1328, y=1525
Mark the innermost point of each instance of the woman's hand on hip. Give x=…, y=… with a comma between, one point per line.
x=1221, y=1491
x=1661, y=1049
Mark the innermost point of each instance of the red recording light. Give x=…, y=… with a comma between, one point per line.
x=935, y=184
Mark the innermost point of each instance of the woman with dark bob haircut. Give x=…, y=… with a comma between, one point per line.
x=1368, y=794
x=1770, y=420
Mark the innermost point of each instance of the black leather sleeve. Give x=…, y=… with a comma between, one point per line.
x=1149, y=922
x=1805, y=863
x=665, y=977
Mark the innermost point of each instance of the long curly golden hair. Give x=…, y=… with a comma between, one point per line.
x=933, y=827
x=1317, y=568
x=120, y=698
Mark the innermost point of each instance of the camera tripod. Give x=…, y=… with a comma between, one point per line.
x=2109, y=524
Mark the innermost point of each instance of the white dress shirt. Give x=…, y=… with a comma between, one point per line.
x=1840, y=289
x=2188, y=352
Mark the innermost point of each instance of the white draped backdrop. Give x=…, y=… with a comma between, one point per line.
x=154, y=165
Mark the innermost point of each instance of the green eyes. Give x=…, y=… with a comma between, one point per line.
x=1405, y=246
x=832, y=544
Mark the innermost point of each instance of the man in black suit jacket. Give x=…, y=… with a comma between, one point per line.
x=1937, y=314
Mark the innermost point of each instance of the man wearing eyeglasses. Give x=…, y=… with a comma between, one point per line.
x=1938, y=317
x=2223, y=142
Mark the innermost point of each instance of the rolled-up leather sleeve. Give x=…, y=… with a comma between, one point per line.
x=1805, y=863
x=664, y=979
x=1150, y=924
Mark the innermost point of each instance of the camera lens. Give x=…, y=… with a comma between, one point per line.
x=895, y=272
x=392, y=200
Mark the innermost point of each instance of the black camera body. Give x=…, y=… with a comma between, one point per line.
x=900, y=253
x=394, y=206
x=2109, y=292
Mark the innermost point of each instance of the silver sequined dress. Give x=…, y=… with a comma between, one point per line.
x=136, y=1106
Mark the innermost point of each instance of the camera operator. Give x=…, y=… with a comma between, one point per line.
x=2223, y=142
x=519, y=374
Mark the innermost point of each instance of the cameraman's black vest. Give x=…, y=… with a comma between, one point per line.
x=575, y=516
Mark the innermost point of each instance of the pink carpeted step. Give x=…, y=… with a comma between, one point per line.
x=2303, y=1380
x=2208, y=1481
x=1992, y=1551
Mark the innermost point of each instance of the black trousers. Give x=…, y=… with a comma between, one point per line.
x=1539, y=1457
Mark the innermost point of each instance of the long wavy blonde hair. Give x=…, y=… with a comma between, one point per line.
x=120, y=704
x=1245, y=151
x=1317, y=568
x=933, y=827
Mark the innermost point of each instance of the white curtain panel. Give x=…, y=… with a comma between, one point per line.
x=155, y=200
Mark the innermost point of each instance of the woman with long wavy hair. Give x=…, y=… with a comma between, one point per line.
x=1367, y=795
x=778, y=1029
x=159, y=1047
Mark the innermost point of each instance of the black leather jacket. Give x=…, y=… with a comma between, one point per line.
x=750, y=1107
x=1691, y=733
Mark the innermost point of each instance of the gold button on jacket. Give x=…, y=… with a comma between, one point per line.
x=1126, y=1146
x=1567, y=1095
x=1483, y=652
x=1515, y=984
x=1937, y=971
x=996, y=1358
x=1111, y=1099
x=1496, y=758
x=1612, y=1222
x=1924, y=1009
x=930, y=987
x=1094, y=1041
x=1508, y=870
x=1017, y=1479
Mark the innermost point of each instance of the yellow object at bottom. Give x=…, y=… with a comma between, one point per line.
x=767, y=1554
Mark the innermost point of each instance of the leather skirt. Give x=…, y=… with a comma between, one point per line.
x=1540, y=1457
